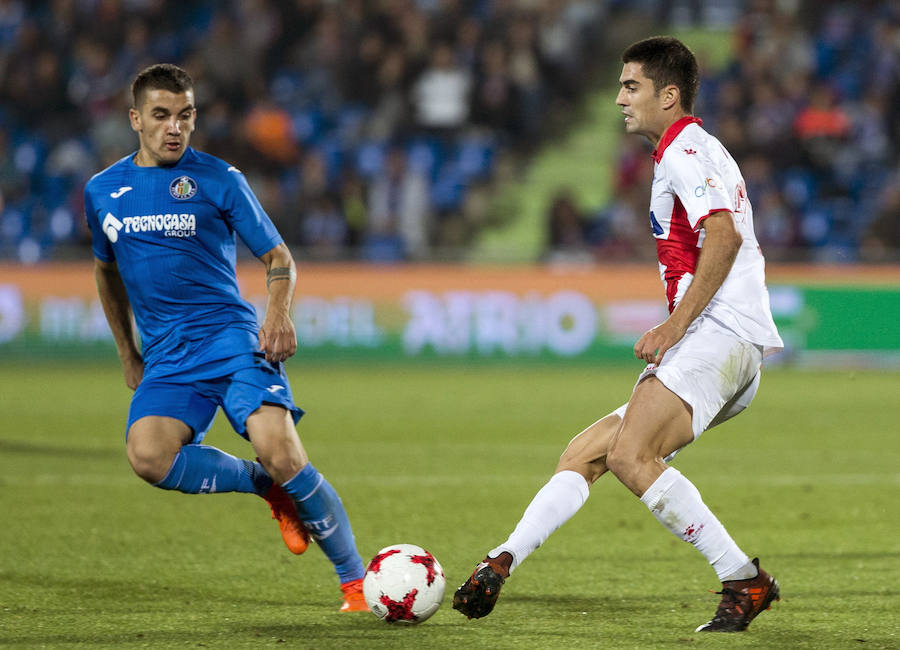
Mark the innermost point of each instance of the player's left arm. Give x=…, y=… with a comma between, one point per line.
x=721, y=244
x=277, y=337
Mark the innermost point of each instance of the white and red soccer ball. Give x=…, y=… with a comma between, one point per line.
x=404, y=583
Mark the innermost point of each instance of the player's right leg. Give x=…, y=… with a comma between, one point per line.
x=159, y=452
x=152, y=444
x=272, y=433
x=166, y=423
x=582, y=463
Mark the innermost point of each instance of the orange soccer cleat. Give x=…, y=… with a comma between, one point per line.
x=742, y=601
x=354, y=601
x=294, y=534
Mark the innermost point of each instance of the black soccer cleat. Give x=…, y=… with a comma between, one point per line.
x=742, y=601
x=477, y=596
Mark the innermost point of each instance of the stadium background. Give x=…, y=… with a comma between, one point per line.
x=434, y=144
x=474, y=268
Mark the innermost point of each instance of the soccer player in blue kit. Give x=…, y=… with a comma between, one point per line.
x=163, y=223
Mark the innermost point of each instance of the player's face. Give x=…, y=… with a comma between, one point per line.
x=164, y=123
x=642, y=106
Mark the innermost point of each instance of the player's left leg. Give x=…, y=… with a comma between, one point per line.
x=274, y=438
x=582, y=463
x=657, y=420
x=668, y=409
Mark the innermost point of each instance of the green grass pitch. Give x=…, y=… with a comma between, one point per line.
x=447, y=456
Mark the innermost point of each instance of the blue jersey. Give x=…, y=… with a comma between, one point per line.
x=171, y=230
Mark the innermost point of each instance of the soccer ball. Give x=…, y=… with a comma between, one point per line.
x=404, y=583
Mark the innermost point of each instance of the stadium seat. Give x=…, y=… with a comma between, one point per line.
x=475, y=157
x=449, y=188
x=424, y=156
x=370, y=158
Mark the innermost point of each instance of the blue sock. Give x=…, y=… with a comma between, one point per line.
x=200, y=469
x=323, y=514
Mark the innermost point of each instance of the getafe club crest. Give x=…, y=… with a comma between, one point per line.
x=183, y=187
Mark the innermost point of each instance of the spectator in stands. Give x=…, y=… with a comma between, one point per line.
x=505, y=64
x=525, y=69
x=822, y=118
x=566, y=230
x=440, y=95
x=881, y=239
x=495, y=98
x=14, y=183
x=391, y=109
x=230, y=69
x=324, y=229
x=315, y=218
x=468, y=43
x=353, y=204
x=94, y=86
x=399, y=221
x=269, y=130
x=361, y=71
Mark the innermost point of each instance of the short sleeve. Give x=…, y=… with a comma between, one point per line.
x=698, y=184
x=245, y=214
x=100, y=243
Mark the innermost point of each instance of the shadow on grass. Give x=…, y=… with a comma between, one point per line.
x=57, y=451
x=836, y=555
x=112, y=596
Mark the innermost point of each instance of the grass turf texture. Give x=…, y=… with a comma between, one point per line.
x=447, y=457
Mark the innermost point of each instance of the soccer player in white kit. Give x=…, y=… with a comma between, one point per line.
x=704, y=360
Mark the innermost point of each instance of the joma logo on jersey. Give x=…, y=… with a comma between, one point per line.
x=172, y=225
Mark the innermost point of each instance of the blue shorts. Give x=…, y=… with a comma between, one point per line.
x=194, y=402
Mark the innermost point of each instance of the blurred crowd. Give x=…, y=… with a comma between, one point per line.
x=809, y=106
x=367, y=127
x=362, y=125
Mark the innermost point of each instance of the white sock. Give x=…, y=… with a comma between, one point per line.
x=677, y=505
x=552, y=506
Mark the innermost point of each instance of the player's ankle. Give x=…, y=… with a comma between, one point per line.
x=746, y=572
x=501, y=564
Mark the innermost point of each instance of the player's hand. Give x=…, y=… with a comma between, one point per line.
x=654, y=343
x=277, y=337
x=134, y=372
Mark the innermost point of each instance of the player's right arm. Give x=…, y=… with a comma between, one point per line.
x=117, y=308
x=720, y=248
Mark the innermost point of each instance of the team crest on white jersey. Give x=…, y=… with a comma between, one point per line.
x=183, y=187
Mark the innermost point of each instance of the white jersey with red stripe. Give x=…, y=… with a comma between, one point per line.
x=693, y=177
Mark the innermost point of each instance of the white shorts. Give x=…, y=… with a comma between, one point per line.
x=710, y=368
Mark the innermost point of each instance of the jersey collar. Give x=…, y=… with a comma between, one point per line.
x=671, y=133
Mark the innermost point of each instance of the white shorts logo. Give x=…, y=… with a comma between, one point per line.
x=111, y=226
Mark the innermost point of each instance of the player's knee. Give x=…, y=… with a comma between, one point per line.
x=276, y=443
x=282, y=467
x=622, y=461
x=576, y=461
x=148, y=461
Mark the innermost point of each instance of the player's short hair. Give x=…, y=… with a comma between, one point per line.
x=667, y=61
x=160, y=76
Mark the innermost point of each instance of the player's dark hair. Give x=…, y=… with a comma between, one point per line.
x=667, y=61
x=160, y=76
